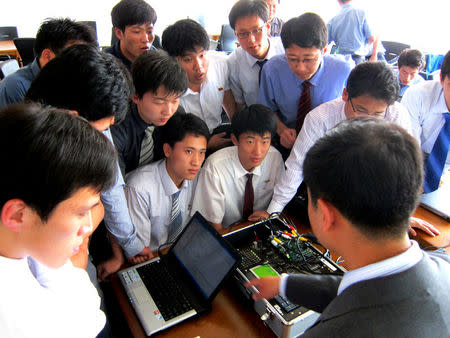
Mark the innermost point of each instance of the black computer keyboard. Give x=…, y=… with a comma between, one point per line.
x=165, y=291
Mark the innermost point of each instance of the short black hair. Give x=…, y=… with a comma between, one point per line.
x=51, y=154
x=245, y=8
x=54, y=34
x=155, y=68
x=445, y=67
x=371, y=171
x=82, y=78
x=255, y=118
x=375, y=79
x=180, y=125
x=411, y=58
x=306, y=31
x=183, y=36
x=132, y=12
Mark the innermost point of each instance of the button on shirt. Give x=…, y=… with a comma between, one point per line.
x=14, y=87
x=426, y=105
x=317, y=123
x=244, y=72
x=281, y=89
x=350, y=30
x=149, y=193
x=208, y=103
x=221, y=185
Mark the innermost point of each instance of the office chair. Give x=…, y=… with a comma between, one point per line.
x=227, y=39
x=393, y=50
x=8, y=33
x=92, y=25
x=25, y=47
x=7, y=67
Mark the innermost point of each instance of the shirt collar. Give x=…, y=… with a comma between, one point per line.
x=169, y=187
x=239, y=170
x=251, y=60
x=387, y=267
x=35, y=67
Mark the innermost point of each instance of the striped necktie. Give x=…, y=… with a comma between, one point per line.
x=176, y=219
x=304, y=105
x=147, y=146
x=435, y=163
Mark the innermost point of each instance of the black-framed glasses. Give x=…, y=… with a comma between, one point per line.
x=245, y=35
x=364, y=112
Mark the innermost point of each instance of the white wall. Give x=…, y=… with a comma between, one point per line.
x=423, y=24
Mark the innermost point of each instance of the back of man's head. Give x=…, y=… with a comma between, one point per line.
x=306, y=31
x=445, y=67
x=55, y=34
x=82, y=78
x=371, y=171
x=181, y=125
x=184, y=36
x=374, y=79
x=255, y=118
x=132, y=12
x=411, y=58
x=51, y=154
x=244, y=8
x=155, y=69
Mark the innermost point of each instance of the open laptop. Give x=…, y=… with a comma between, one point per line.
x=182, y=283
x=438, y=201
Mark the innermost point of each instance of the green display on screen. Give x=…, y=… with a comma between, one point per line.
x=263, y=271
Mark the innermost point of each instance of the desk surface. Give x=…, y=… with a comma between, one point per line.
x=8, y=47
x=230, y=318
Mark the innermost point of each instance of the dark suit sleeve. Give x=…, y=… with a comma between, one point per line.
x=312, y=291
x=120, y=139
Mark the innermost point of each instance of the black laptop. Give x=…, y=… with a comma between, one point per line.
x=182, y=283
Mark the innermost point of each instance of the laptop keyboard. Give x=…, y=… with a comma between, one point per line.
x=165, y=292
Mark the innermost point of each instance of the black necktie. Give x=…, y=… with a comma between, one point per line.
x=260, y=63
x=248, y=197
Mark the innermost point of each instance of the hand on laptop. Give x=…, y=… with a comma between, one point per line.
x=426, y=227
x=145, y=255
x=258, y=215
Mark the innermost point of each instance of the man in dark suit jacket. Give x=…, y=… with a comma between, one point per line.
x=364, y=180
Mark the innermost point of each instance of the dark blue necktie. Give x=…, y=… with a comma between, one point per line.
x=436, y=160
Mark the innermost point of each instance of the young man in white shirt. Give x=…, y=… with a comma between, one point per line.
x=237, y=180
x=250, y=21
x=410, y=63
x=207, y=72
x=46, y=219
x=160, y=194
x=364, y=180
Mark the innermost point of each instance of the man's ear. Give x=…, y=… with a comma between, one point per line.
x=135, y=98
x=234, y=140
x=118, y=32
x=167, y=150
x=14, y=214
x=324, y=51
x=345, y=95
x=46, y=55
x=328, y=214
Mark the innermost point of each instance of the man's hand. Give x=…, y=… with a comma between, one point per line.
x=141, y=257
x=268, y=287
x=108, y=267
x=258, y=215
x=426, y=227
x=287, y=137
x=218, y=141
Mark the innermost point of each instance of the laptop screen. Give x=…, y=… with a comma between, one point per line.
x=203, y=256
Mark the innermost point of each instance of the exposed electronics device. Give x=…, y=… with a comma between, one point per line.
x=270, y=248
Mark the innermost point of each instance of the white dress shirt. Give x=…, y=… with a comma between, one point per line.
x=208, y=103
x=317, y=123
x=219, y=195
x=387, y=267
x=51, y=303
x=426, y=105
x=244, y=72
x=149, y=191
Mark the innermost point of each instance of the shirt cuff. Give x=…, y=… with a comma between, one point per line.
x=274, y=207
x=283, y=281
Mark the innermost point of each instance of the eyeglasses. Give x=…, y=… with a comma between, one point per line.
x=304, y=61
x=364, y=112
x=245, y=35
